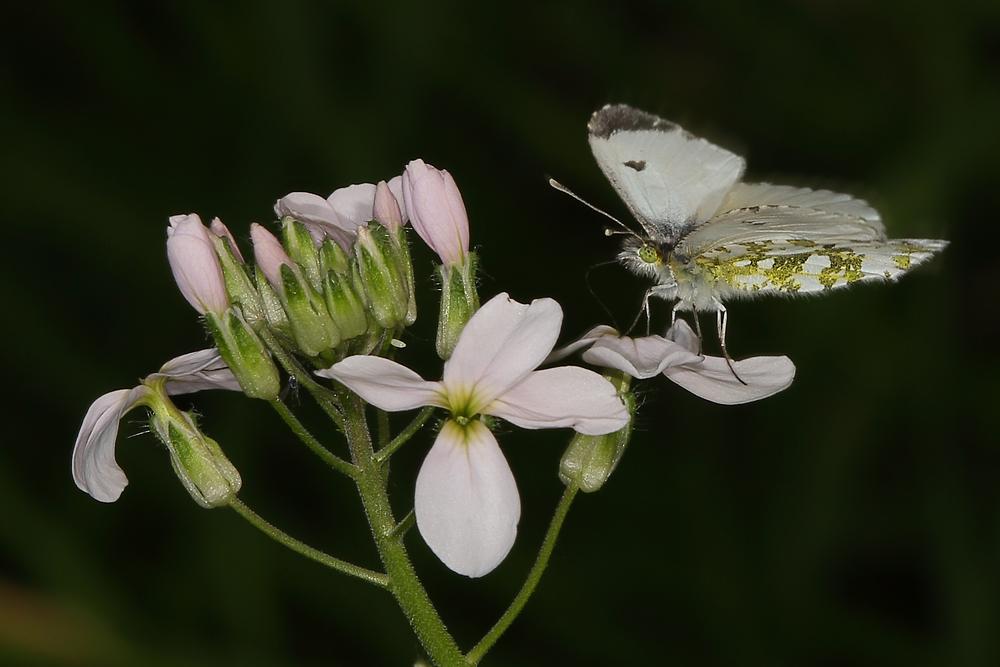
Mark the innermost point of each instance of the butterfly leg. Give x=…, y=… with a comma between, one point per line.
x=694, y=316
x=655, y=290
x=721, y=320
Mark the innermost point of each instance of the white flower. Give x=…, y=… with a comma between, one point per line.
x=95, y=469
x=677, y=357
x=467, y=505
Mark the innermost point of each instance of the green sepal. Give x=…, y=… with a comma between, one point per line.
x=302, y=250
x=239, y=286
x=346, y=307
x=245, y=354
x=380, y=275
x=312, y=327
x=589, y=460
x=209, y=477
x=459, y=301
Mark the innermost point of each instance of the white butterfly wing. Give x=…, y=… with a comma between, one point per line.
x=756, y=212
x=667, y=177
x=800, y=266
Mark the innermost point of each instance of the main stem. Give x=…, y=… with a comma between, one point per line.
x=403, y=580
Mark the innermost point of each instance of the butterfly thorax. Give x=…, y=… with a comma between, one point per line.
x=676, y=276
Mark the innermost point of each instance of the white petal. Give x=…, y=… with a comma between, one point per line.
x=639, y=357
x=502, y=343
x=95, y=469
x=586, y=340
x=384, y=383
x=712, y=380
x=682, y=333
x=564, y=397
x=354, y=203
x=318, y=216
x=197, y=371
x=466, y=504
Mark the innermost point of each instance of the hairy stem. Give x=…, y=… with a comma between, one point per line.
x=530, y=583
x=324, y=396
x=404, y=583
x=321, y=557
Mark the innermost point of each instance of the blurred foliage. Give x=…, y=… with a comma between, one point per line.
x=852, y=520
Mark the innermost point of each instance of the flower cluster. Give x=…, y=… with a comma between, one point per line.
x=327, y=296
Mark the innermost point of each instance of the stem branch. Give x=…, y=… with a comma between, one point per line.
x=321, y=557
x=328, y=457
x=404, y=435
x=530, y=583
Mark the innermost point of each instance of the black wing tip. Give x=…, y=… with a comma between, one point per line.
x=622, y=118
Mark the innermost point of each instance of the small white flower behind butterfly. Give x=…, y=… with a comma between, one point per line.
x=677, y=357
x=467, y=505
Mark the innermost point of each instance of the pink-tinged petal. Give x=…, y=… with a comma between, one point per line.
x=353, y=204
x=467, y=506
x=586, y=340
x=396, y=187
x=682, y=334
x=269, y=254
x=95, y=469
x=318, y=216
x=386, y=209
x=195, y=265
x=385, y=383
x=502, y=342
x=436, y=211
x=564, y=397
x=223, y=232
x=712, y=380
x=197, y=371
x=639, y=357
x=456, y=205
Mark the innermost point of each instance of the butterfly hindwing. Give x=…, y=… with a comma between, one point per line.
x=756, y=212
x=801, y=266
x=667, y=177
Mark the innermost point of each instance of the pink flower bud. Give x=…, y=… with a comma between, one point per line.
x=195, y=265
x=223, y=232
x=436, y=211
x=385, y=210
x=269, y=254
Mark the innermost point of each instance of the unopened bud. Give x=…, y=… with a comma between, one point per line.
x=245, y=355
x=381, y=276
x=302, y=249
x=459, y=301
x=346, y=307
x=274, y=312
x=312, y=327
x=589, y=460
x=239, y=287
x=197, y=459
x=333, y=258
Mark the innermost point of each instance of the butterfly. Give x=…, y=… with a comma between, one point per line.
x=708, y=237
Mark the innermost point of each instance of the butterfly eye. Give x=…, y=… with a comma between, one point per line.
x=648, y=253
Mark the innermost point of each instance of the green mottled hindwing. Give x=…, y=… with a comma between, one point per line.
x=794, y=266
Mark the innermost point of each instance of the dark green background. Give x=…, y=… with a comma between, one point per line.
x=852, y=520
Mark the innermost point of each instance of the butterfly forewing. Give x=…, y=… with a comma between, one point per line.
x=667, y=177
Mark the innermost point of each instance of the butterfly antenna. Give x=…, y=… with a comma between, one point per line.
x=609, y=232
x=593, y=293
